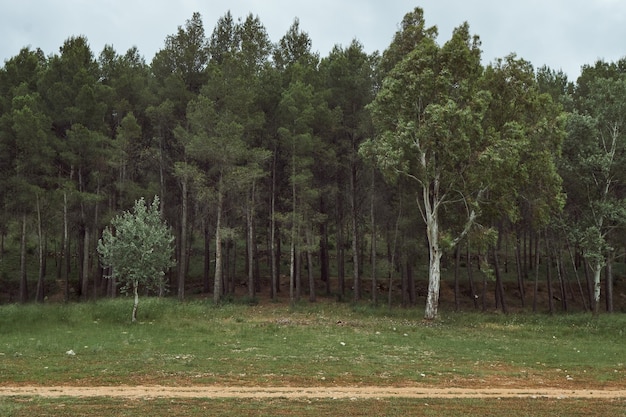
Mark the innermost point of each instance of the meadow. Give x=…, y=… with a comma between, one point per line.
x=308, y=344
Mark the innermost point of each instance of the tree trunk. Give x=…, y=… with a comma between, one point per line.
x=136, y=303
x=66, y=250
x=85, y=277
x=520, y=272
x=341, y=275
x=560, y=275
x=373, y=234
x=42, y=256
x=608, y=281
x=500, y=298
x=273, y=257
x=207, y=258
x=536, y=289
x=434, y=251
x=324, y=256
x=457, y=268
x=434, y=268
x=182, y=262
x=470, y=278
x=250, y=245
x=217, y=283
x=292, y=266
x=309, y=261
x=355, y=235
x=580, y=286
x=23, y=277
x=597, y=273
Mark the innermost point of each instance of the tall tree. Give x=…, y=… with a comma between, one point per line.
x=350, y=80
x=428, y=117
x=592, y=156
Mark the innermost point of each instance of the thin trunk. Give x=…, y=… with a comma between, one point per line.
x=560, y=275
x=96, y=270
x=182, y=263
x=66, y=250
x=217, y=282
x=373, y=234
x=273, y=257
x=85, y=278
x=520, y=272
x=341, y=258
x=405, y=280
x=470, y=278
x=536, y=288
x=136, y=303
x=42, y=257
x=457, y=268
x=355, y=235
x=583, y=298
x=549, y=283
x=324, y=256
x=250, y=245
x=309, y=261
x=23, y=277
x=608, y=280
x=484, y=290
x=589, y=282
x=392, y=257
x=292, y=267
x=207, y=258
x=324, y=253
x=500, y=299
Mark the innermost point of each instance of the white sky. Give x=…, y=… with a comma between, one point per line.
x=563, y=34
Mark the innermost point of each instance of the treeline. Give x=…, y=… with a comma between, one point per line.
x=313, y=165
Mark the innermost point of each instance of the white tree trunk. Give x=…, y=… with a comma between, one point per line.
x=136, y=304
x=431, y=201
x=597, y=271
x=434, y=268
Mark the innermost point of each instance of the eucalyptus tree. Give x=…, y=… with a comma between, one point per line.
x=428, y=116
x=592, y=159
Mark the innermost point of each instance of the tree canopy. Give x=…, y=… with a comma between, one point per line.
x=271, y=161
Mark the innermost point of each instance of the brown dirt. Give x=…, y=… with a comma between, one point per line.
x=156, y=391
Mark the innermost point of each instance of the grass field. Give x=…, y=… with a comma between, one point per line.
x=321, y=344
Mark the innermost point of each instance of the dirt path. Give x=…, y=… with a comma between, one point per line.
x=302, y=392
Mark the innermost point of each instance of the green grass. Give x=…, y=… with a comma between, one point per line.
x=321, y=344
x=273, y=344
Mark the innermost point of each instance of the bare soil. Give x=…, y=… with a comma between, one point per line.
x=370, y=392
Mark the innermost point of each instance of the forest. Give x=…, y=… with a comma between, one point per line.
x=415, y=176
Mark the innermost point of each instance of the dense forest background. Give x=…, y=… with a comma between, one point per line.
x=283, y=172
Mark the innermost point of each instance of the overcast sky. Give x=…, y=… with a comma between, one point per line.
x=563, y=34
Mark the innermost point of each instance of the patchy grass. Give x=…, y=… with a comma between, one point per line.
x=274, y=344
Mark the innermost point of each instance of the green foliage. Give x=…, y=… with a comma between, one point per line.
x=137, y=247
